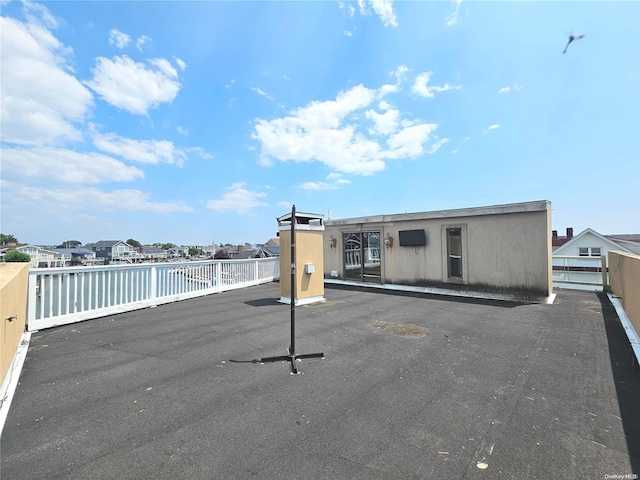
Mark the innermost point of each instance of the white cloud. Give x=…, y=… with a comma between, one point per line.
x=143, y=151
x=421, y=87
x=182, y=131
x=348, y=33
x=238, y=199
x=491, y=127
x=133, y=86
x=166, y=67
x=436, y=146
x=453, y=18
x=382, y=8
x=316, y=186
x=409, y=142
x=261, y=92
x=384, y=123
x=507, y=89
x=66, y=166
x=347, y=9
x=40, y=98
x=333, y=183
x=79, y=199
x=454, y=151
x=201, y=152
x=400, y=74
x=181, y=63
x=38, y=14
x=118, y=39
x=328, y=132
x=141, y=41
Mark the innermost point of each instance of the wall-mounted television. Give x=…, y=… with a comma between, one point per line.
x=412, y=238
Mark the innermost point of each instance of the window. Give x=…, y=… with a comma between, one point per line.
x=583, y=251
x=454, y=252
x=595, y=251
x=589, y=251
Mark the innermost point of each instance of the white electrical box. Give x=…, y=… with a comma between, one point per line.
x=334, y=273
x=309, y=268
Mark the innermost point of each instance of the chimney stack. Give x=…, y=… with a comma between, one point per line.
x=554, y=233
x=569, y=232
x=240, y=248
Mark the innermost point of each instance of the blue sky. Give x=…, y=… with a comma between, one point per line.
x=181, y=121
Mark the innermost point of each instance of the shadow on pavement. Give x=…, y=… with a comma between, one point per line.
x=626, y=374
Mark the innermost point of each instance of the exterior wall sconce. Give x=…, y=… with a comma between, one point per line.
x=388, y=241
x=332, y=242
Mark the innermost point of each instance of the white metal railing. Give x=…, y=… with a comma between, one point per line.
x=59, y=296
x=579, y=272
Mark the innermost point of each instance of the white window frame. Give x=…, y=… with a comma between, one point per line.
x=445, y=254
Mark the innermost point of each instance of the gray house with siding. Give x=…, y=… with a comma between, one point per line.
x=112, y=250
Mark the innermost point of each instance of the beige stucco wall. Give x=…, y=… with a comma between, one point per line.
x=506, y=249
x=308, y=250
x=624, y=279
x=14, y=281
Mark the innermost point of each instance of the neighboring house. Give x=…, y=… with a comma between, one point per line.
x=114, y=250
x=272, y=242
x=41, y=257
x=628, y=241
x=590, y=243
x=238, y=252
x=499, y=251
x=178, y=251
x=267, y=251
x=557, y=241
x=245, y=254
x=151, y=252
x=577, y=260
x=71, y=257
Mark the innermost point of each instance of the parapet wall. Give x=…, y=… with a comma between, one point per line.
x=14, y=281
x=624, y=279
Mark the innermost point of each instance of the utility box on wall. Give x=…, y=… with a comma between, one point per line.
x=309, y=234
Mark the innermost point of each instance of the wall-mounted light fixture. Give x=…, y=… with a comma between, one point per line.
x=388, y=241
x=332, y=241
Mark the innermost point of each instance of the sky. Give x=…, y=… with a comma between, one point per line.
x=189, y=122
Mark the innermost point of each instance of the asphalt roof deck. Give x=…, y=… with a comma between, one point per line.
x=529, y=391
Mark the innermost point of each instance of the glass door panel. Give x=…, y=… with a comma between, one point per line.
x=352, y=256
x=362, y=260
x=371, y=257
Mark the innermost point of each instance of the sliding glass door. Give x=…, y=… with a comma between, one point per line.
x=362, y=256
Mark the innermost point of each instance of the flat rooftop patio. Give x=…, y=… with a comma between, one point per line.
x=412, y=387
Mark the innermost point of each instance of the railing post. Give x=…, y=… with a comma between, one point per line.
x=603, y=266
x=256, y=270
x=153, y=284
x=32, y=296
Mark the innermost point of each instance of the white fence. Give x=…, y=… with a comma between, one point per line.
x=59, y=296
x=579, y=272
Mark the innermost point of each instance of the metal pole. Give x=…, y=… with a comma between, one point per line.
x=293, y=281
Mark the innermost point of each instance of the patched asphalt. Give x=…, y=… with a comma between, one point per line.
x=411, y=387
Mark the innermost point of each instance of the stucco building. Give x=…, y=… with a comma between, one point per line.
x=500, y=251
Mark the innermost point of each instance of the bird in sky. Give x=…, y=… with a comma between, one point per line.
x=571, y=39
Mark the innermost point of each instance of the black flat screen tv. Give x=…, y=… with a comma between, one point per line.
x=412, y=238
